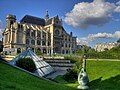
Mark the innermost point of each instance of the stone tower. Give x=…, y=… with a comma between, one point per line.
x=10, y=19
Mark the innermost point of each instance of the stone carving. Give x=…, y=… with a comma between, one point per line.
x=83, y=77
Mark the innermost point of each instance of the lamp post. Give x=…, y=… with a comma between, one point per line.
x=83, y=77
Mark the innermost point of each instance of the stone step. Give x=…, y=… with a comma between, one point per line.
x=57, y=61
x=61, y=64
x=7, y=57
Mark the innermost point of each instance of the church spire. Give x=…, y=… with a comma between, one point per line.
x=46, y=15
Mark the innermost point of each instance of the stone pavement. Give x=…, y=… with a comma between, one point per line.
x=58, y=71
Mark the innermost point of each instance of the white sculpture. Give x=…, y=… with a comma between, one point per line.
x=83, y=77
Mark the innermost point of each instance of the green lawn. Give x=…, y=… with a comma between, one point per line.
x=103, y=75
x=14, y=79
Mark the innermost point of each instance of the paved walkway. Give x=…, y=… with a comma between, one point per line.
x=103, y=59
x=59, y=71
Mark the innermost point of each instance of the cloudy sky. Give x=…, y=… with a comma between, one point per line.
x=92, y=21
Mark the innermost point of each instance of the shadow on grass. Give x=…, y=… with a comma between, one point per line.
x=112, y=83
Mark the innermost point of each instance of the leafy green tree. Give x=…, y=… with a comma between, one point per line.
x=79, y=51
x=106, y=49
x=113, y=53
x=118, y=41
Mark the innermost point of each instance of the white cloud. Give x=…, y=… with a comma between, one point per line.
x=118, y=3
x=95, y=13
x=116, y=34
x=117, y=9
x=91, y=37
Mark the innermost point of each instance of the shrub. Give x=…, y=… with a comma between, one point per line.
x=26, y=63
x=38, y=52
x=71, y=75
x=77, y=60
x=73, y=59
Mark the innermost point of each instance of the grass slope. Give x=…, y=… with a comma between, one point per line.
x=14, y=79
x=103, y=75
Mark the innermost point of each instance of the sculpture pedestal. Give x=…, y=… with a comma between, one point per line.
x=83, y=87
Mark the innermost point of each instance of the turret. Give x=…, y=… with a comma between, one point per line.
x=46, y=15
x=10, y=19
x=70, y=33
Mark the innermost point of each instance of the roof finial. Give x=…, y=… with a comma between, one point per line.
x=46, y=15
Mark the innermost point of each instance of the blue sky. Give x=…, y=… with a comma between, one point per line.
x=103, y=28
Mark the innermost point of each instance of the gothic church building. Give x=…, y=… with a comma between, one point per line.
x=45, y=34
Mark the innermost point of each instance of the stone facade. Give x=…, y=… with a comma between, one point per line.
x=45, y=34
x=102, y=46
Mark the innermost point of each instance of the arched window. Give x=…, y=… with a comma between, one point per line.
x=27, y=41
x=62, y=45
x=48, y=43
x=33, y=33
x=43, y=35
x=38, y=42
x=69, y=45
x=27, y=32
x=56, y=49
x=44, y=51
x=43, y=43
x=66, y=51
x=66, y=44
x=38, y=34
x=63, y=52
x=33, y=42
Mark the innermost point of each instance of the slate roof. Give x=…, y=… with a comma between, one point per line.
x=36, y=20
x=33, y=20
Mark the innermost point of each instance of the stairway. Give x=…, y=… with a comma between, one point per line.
x=60, y=66
x=7, y=57
x=60, y=63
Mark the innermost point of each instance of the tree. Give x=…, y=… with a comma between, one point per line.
x=106, y=49
x=118, y=41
